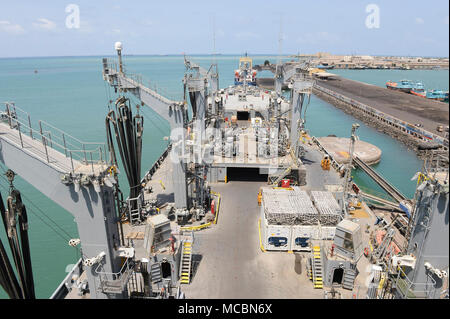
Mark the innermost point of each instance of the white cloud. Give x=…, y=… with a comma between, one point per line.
x=446, y=20
x=8, y=27
x=419, y=21
x=44, y=24
x=247, y=35
x=116, y=31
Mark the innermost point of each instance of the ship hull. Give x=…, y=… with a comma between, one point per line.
x=241, y=83
x=435, y=98
x=406, y=90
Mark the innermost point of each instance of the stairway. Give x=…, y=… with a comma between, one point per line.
x=186, y=261
x=317, y=272
x=381, y=251
x=155, y=273
x=349, y=279
x=134, y=211
x=275, y=179
x=309, y=270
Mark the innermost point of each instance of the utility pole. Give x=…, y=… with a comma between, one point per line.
x=348, y=170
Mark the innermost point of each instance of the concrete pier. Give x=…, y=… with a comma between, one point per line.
x=338, y=148
x=407, y=107
x=409, y=118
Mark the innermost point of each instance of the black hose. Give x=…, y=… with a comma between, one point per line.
x=15, y=249
x=193, y=104
x=8, y=279
x=25, y=244
x=128, y=134
x=20, y=249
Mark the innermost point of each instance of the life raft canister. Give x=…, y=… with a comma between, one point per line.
x=366, y=252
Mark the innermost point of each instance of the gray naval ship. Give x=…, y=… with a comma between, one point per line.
x=243, y=203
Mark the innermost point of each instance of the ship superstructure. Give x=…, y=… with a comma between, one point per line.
x=241, y=187
x=245, y=74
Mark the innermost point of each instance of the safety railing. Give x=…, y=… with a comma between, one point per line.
x=375, y=193
x=67, y=284
x=88, y=153
x=152, y=86
x=157, y=164
x=115, y=282
x=334, y=163
x=409, y=290
x=436, y=162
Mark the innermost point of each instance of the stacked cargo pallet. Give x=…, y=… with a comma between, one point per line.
x=307, y=214
x=330, y=214
x=288, y=207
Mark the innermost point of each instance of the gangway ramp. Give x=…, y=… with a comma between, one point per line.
x=379, y=200
x=382, y=182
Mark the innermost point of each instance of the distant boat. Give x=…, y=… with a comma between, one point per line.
x=359, y=67
x=437, y=95
x=403, y=85
x=35, y=71
x=325, y=67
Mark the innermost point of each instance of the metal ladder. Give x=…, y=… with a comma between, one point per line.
x=309, y=271
x=349, y=279
x=155, y=273
x=275, y=179
x=383, y=248
x=317, y=271
x=186, y=262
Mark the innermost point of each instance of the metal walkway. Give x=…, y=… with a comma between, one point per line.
x=48, y=144
x=391, y=190
x=379, y=200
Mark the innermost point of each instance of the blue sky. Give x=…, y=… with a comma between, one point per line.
x=37, y=28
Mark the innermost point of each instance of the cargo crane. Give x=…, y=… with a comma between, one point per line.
x=200, y=84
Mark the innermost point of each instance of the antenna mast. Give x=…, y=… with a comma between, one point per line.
x=280, y=40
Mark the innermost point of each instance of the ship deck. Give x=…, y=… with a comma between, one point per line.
x=232, y=266
x=228, y=262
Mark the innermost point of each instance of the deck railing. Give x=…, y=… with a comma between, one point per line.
x=112, y=65
x=88, y=153
x=409, y=290
x=115, y=282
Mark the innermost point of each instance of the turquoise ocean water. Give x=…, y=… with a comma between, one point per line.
x=69, y=93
